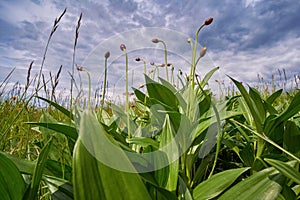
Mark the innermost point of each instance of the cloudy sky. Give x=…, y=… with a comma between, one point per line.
x=247, y=37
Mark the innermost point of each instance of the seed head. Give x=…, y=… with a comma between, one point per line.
x=107, y=54
x=208, y=21
x=155, y=40
x=122, y=47
x=203, y=51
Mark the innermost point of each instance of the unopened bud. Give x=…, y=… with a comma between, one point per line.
x=152, y=63
x=155, y=40
x=79, y=68
x=208, y=21
x=107, y=54
x=203, y=51
x=122, y=47
x=189, y=40
x=138, y=59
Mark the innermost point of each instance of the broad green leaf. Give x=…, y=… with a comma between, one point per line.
x=258, y=103
x=291, y=137
x=274, y=96
x=208, y=76
x=215, y=185
x=65, y=129
x=293, y=108
x=160, y=93
x=181, y=100
x=184, y=192
x=248, y=100
x=170, y=147
x=285, y=169
x=60, y=189
x=31, y=193
x=261, y=185
x=12, y=185
x=93, y=179
x=58, y=107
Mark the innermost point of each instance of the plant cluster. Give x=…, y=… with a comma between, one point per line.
x=168, y=143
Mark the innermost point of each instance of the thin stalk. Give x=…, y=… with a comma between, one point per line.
x=104, y=88
x=127, y=94
x=166, y=58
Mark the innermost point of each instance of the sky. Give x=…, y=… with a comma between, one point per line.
x=246, y=38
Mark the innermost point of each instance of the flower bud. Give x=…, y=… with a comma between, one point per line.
x=155, y=40
x=189, y=40
x=151, y=63
x=203, y=51
x=138, y=59
x=107, y=54
x=122, y=47
x=79, y=68
x=208, y=21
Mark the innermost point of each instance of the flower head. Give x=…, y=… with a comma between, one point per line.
x=107, y=54
x=122, y=47
x=208, y=21
x=155, y=40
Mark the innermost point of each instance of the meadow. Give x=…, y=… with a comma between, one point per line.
x=171, y=139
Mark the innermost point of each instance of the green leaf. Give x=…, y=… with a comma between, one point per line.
x=59, y=188
x=285, y=169
x=159, y=93
x=12, y=185
x=261, y=185
x=58, y=107
x=93, y=179
x=38, y=171
x=258, y=103
x=291, y=137
x=274, y=96
x=170, y=147
x=65, y=129
x=208, y=76
x=215, y=185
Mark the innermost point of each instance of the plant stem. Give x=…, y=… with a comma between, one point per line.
x=104, y=86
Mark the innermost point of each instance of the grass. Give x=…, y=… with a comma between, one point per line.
x=173, y=139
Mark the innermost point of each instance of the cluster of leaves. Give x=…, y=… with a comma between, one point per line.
x=240, y=148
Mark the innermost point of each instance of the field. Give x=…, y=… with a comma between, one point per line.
x=171, y=139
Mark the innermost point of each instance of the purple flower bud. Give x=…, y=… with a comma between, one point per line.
x=208, y=21
x=107, y=54
x=122, y=47
x=79, y=68
x=155, y=40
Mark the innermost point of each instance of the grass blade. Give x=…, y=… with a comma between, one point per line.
x=31, y=193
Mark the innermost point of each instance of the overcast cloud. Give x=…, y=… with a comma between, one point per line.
x=247, y=37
